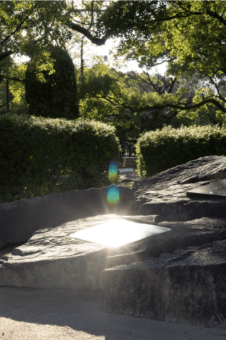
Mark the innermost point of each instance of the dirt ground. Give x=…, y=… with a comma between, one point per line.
x=29, y=313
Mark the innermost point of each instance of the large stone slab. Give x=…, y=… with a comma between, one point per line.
x=187, y=286
x=182, y=235
x=52, y=258
x=165, y=194
x=18, y=220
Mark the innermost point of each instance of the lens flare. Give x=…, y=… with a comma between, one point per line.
x=113, y=196
x=113, y=168
x=113, y=173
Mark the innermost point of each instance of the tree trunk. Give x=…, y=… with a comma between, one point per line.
x=7, y=93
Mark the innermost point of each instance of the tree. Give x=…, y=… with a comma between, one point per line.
x=54, y=95
x=151, y=31
x=27, y=28
x=190, y=35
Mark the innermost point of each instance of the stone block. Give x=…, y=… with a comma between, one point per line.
x=187, y=286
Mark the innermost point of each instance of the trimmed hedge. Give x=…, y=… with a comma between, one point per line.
x=35, y=152
x=57, y=97
x=164, y=149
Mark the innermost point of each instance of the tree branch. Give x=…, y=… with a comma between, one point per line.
x=8, y=53
x=171, y=116
x=110, y=100
x=172, y=84
x=14, y=79
x=16, y=29
x=91, y=23
x=87, y=34
x=178, y=107
x=216, y=16
x=5, y=54
x=216, y=86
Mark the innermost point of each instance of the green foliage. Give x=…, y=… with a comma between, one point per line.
x=199, y=25
x=27, y=27
x=35, y=152
x=190, y=35
x=16, y=76
x=163, y=149
x=103, y=94
x=52, y=94
x=134, y=103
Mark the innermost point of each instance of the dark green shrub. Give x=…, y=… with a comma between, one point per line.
x=57, y=97
x=164, y=149
x=35, y=152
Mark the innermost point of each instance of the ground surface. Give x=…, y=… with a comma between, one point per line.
x=27, y=313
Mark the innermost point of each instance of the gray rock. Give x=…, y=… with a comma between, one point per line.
x=21, y=218
x=165, y=194
x=188, y=286
x=51, y=258
x=177, y=275
x=182, y=235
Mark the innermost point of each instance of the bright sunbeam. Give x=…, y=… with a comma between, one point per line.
x=118, y=232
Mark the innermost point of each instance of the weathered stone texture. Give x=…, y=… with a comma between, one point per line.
x=165, y=194
x=178, y=275
x=21, y=218
x=182, y=235
x=51, y=258
x=186, y=286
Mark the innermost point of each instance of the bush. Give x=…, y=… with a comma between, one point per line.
x=163, y=149
x=57, y=96
x=35, y=152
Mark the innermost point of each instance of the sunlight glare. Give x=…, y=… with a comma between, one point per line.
x=118, y=232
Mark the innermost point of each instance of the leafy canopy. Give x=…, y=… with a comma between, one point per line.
x=190, y=35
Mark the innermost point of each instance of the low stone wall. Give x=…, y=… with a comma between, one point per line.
x=18, y=220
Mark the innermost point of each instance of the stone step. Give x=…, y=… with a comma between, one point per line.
x=128, y=162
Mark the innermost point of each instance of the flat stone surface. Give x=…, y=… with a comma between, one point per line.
x=21, y=218
x=187, y=286
x=53, y=259
x=165, y=194
x=182, y=235
x=119, y=232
